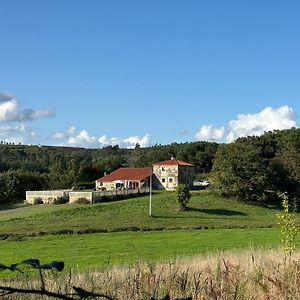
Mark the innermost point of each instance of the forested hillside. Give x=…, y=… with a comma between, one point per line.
x=43, y=167
x=251, y=168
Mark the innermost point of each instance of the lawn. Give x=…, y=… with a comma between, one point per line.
x=100, y=250
x=206, y=210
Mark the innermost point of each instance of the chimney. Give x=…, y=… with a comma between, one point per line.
x=104, y=173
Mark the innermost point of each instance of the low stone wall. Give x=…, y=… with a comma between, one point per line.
x=46, y=196
x=74, y=196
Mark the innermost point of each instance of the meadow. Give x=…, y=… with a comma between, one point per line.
x=121, y=232
x=206, y=210
x=220, y=248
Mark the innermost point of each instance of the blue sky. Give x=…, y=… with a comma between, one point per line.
x=94, y=73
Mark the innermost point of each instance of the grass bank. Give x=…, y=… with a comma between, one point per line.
x=100, y=250
x=206, y=210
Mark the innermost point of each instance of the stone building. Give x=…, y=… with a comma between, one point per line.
x=165, y=175
x=170, y=173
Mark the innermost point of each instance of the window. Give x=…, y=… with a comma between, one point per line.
x=162, y=168
x=163, y=180
x=170, y=180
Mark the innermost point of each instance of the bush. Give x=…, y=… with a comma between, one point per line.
x=82, y=200
x=38, y=200
x=60, y=200
x=183, y=196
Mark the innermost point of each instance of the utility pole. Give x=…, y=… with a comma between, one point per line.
x=150, y=196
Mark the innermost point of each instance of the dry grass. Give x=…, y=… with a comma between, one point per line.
x=257, y=274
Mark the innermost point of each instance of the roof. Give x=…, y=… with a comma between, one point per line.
x=137, y=174
x=174, y=162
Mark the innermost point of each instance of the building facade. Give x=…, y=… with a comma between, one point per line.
x=172, y=172
x=165, y=175
x=125, y=178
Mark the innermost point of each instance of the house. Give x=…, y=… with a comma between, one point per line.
x=125, y=178
x=165, y=175
x=170, y=173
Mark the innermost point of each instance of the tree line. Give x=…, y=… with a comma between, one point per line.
x=25, y=167
x=251, y=168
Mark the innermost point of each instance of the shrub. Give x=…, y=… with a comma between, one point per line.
x=38, y=200
x=82, y=200
x=183, y=196
x=60, y=200
x=289, y=229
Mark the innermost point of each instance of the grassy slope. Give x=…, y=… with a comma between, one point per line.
x=97, y=250
x=207, y=210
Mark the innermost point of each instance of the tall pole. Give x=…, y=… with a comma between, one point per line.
x=150, y=196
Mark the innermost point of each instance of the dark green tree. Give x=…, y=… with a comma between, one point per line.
x=183, y=196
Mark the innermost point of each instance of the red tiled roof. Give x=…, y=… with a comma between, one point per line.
x=137, y=174
x=173, y=162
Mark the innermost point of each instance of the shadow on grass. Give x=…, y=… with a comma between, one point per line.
x=219, y=212
x=8, y=207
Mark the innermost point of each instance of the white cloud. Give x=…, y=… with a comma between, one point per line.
x=266, y=120
x=12, y=120
x=9, y=110
x=18, y=133
x=142, y=141
x=103, y=140
x=251, y=124
x=84, y=139
x=208, y=132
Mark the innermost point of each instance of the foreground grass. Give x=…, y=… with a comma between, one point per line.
x=123, y=248
x=206, y=211
x=251, y=274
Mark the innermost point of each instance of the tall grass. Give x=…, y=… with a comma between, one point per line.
x=251, y=274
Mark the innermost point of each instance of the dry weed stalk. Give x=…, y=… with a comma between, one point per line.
x=254, y=274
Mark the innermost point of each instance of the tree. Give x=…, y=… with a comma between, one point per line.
x=240, y=169
x=183, y=196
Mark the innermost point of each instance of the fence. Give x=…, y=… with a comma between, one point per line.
x=97, y=196
x=48, y=196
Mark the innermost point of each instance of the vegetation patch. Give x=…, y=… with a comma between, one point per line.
x=205, y=210
x=98, y=250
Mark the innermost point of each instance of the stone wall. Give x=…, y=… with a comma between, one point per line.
x=74, y=196
x=46, y=196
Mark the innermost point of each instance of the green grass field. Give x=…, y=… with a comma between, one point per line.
x=211, y=224
x=100, y=250
x=206, y=211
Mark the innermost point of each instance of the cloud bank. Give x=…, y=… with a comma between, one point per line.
x=74, y=138
x=250, y=124
x=13, y=126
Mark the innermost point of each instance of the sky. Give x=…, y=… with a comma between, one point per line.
x=93, y=73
